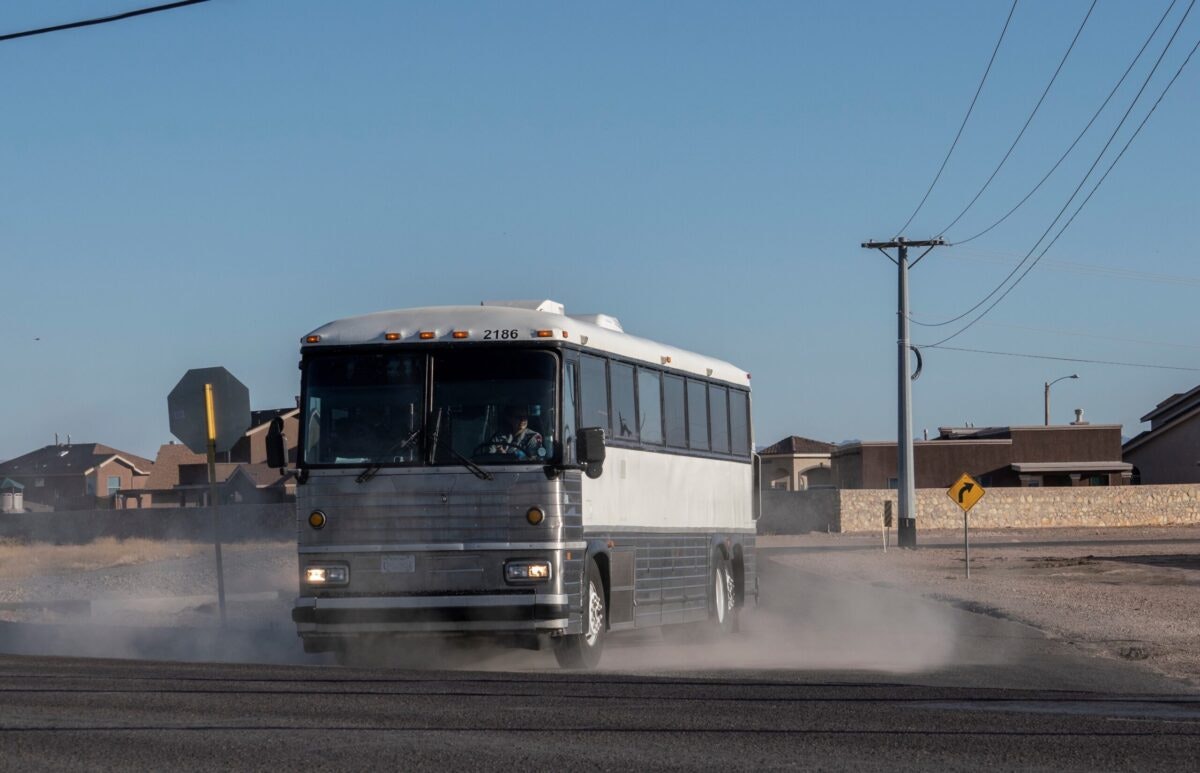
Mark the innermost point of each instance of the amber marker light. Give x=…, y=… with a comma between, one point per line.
x=544, y=334
x=391, y=336
x=316, y=519
x=312, y=339
x=566, y=334
x=534, y=515
x=460, y=334
x=425, y=335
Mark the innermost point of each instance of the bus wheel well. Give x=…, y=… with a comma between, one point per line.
x=601, y=560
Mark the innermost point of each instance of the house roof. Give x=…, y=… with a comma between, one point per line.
x=794, y=444
x=262, y=475
x=9, y=483
x=262, y=419
x=1175, y=404
x=73, y=459
x=165, y=474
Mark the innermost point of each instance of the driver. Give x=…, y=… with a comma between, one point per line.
x=516, y=437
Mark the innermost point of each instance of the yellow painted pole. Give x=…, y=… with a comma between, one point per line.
x=212, y=494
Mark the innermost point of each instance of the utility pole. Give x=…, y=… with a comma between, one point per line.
x=906, y=531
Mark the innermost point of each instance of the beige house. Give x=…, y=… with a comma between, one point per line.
x=796, y=463
x=1168, y=452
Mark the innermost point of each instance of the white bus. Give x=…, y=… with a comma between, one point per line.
x=511, y=471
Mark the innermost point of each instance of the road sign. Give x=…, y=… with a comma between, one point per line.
x=966, y=492
x=189, y=415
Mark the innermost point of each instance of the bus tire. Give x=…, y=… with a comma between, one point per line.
x=724, y=611
x=583, y=650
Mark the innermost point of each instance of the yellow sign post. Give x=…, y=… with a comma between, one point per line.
x=966, y=493
x=210, y=416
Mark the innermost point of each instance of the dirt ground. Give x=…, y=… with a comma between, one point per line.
x=1127, y=593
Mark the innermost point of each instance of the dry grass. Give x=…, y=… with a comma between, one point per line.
x=28, y=559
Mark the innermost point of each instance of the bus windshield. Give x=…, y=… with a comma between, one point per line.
x=493, y=406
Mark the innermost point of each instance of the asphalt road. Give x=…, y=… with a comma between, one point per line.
x=821, y=676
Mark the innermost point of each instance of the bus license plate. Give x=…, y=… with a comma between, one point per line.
x=398, y=564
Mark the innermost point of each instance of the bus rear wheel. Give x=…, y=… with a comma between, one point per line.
x=583, y=650
x=724, y=600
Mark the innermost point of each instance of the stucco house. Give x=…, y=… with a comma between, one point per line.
x=796, y=463
x=1168, y=452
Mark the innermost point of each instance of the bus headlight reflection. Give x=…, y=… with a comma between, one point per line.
x=527, y=571
x=327, y=575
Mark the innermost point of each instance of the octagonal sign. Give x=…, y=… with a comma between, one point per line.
x=189, y=415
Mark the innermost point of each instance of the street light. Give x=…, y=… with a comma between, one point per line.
x=1046, y=396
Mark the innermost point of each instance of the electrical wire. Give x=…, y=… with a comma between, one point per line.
x=1063, y=359
x=1086, y=200
x=1095, y=336
x=100, y=20
x=1079, y=187
x=1028, y=120
x=1067, y=152
x=966, y=117
x=1086, y=269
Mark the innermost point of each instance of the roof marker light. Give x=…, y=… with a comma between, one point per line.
x=666, y=360
x=709, y=371
x=391, y=336
x=312, y=339
x=544, y=334
x=565, y=334
x=460, y=334
x=425, y=335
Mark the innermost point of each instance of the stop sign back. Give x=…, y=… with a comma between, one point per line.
x=189, y=414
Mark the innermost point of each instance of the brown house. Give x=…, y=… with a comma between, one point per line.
x=1079, y=454
x=77, y=476
x=180, y=477
x=796, y=463
x=1168, y=452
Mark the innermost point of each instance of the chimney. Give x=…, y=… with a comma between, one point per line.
x=55, y=439
x=1078, y=418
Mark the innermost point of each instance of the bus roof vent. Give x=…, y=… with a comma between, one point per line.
x=601, y=320
x=548, y=306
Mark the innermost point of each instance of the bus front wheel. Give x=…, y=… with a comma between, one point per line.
x=583, y=650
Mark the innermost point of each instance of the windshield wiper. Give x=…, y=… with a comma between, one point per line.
x=370, y=470
x=475, y=469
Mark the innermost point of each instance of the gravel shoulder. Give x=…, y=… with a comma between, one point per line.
x=1128, y=593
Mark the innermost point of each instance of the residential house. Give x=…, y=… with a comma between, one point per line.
x=1078, y=454
x=77, y=476
x=796, y=463
x=1168, y=452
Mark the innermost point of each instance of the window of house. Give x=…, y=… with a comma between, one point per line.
x=89, y=486
x=893, y=483
x=650, y=406
x=697, y=413
x=593, y=393
x=114, y=484
x=739, y=422
x=675, y=411
x=625, y=424
x=39, y=482
x=718, y=418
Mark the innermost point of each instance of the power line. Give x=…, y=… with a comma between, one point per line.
x=1063, y=359
x=1096, y=336
x=1086, y=269
x=100, y=20
x=1074, y=193
x=1028, y=120
x=946, y=160
x=1079, y=137
x=1089, y=196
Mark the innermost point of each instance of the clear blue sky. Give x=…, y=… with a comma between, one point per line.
x=204, y=186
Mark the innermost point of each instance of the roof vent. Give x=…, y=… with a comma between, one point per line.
x=601, y=320
x=547, y=306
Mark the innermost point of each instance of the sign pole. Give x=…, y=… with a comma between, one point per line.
x=966, y=546
x=212, y=495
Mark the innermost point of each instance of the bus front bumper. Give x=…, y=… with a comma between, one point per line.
x=507, y=612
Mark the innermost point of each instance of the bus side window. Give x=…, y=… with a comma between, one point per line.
x=739, y=421
x=624, y=408
x=697, y=413
x=593, y=393
x=718, y=413
x=568, y=414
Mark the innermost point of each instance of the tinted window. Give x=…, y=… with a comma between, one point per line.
x=697, y=412
x=739, y=421
x=718, y=414
x=675, y=412
x=593, y=398
x=649, y=406
x=568, y=439
x=625, y=425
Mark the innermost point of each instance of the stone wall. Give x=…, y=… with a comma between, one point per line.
x=72, y=527
x=851, y=510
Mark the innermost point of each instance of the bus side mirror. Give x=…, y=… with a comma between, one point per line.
x=589, y=450
x=276, y=445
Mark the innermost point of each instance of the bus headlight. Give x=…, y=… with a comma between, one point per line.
x=332, y=574
x=527, y=571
